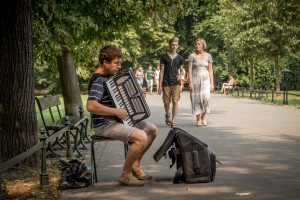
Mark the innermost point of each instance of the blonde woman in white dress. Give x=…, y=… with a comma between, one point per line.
x=140, y=76
x=201, y=81
x=156, y=75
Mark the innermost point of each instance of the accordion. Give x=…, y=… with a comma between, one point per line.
x=126, y=93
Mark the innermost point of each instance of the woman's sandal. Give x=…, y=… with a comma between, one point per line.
x=199, y=123
x=168, y=122
x=173, y=125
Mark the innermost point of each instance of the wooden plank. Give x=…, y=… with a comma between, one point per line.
x=48, y=102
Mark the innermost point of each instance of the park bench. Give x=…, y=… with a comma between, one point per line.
x=57, y=122
x=235, y=87
x=230, y=90
x=265, y=85
x=263, y=88
x=97, y=138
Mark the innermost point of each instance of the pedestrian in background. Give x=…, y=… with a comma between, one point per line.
x=156, y=75
x=139, y=74
x=169, y=80
x=149, y=75
x=201, y=81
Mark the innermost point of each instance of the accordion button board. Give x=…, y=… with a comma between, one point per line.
x=126, y=93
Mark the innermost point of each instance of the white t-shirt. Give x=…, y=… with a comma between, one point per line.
x=182, y=77
x=157, y=74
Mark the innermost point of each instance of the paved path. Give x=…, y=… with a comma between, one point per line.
x=258, y=144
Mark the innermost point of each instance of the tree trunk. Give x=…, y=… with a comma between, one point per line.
x=69, y=82
x=18, y=124
x=277, y=80
x=251, y=73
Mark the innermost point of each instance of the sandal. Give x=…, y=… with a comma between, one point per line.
x=199, y=123
x=173, y=125
x=168, y=122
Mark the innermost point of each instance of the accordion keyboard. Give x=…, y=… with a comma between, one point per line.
x=126, y=93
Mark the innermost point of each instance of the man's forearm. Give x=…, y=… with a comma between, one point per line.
x=95, y=107
x=161, y=75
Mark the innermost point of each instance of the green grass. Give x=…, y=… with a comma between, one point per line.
x=47, y=115
x=293, y=101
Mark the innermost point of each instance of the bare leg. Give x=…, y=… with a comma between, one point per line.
x=198, y=118
x=222, y=87
x=203, y=116
x=199, y=122
x=151, y=132
x=174, y=111
x=167, y=108
x=138, y=140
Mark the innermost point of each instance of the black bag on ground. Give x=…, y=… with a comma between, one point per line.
x=194, y=162
x=74, y=174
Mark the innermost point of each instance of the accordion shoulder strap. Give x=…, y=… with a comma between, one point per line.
x=94, y=77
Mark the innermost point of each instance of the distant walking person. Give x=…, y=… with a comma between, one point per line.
x=140, y=76
x=169, y=80
x=201, y=81
x=156, y=75
x=149, y=75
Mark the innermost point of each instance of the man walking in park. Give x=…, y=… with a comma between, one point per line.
x=149, y=78
x=169, y=80
x=105, y=118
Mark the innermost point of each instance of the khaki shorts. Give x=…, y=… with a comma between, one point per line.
x=119, y=131
x=171, y=93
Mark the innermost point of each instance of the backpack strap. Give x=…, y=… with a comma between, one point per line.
x=172, y=154
x=196, y=162
x=94, y=77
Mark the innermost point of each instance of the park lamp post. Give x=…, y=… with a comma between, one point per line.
x=285, y=85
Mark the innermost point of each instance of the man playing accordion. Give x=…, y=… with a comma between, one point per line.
x=105, y=118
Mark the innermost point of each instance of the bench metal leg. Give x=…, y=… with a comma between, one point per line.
x=93, y=161
x=93, y=164
x=57, y=142
x=49, y=148
x=126, y=147
x=75, y=148
x=85, y=136
x=81, y=136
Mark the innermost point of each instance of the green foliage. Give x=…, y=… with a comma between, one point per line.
x=258, y=29
x=86, y=25
x=235, y=31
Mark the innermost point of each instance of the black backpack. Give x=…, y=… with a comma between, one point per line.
x=194, y=162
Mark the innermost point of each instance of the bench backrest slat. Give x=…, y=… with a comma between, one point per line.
x=48, y=102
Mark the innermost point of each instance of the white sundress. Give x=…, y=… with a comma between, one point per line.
x=200, y=96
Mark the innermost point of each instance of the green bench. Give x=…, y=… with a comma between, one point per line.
x=57, y=122
x=262, y=88
x=230, y=90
